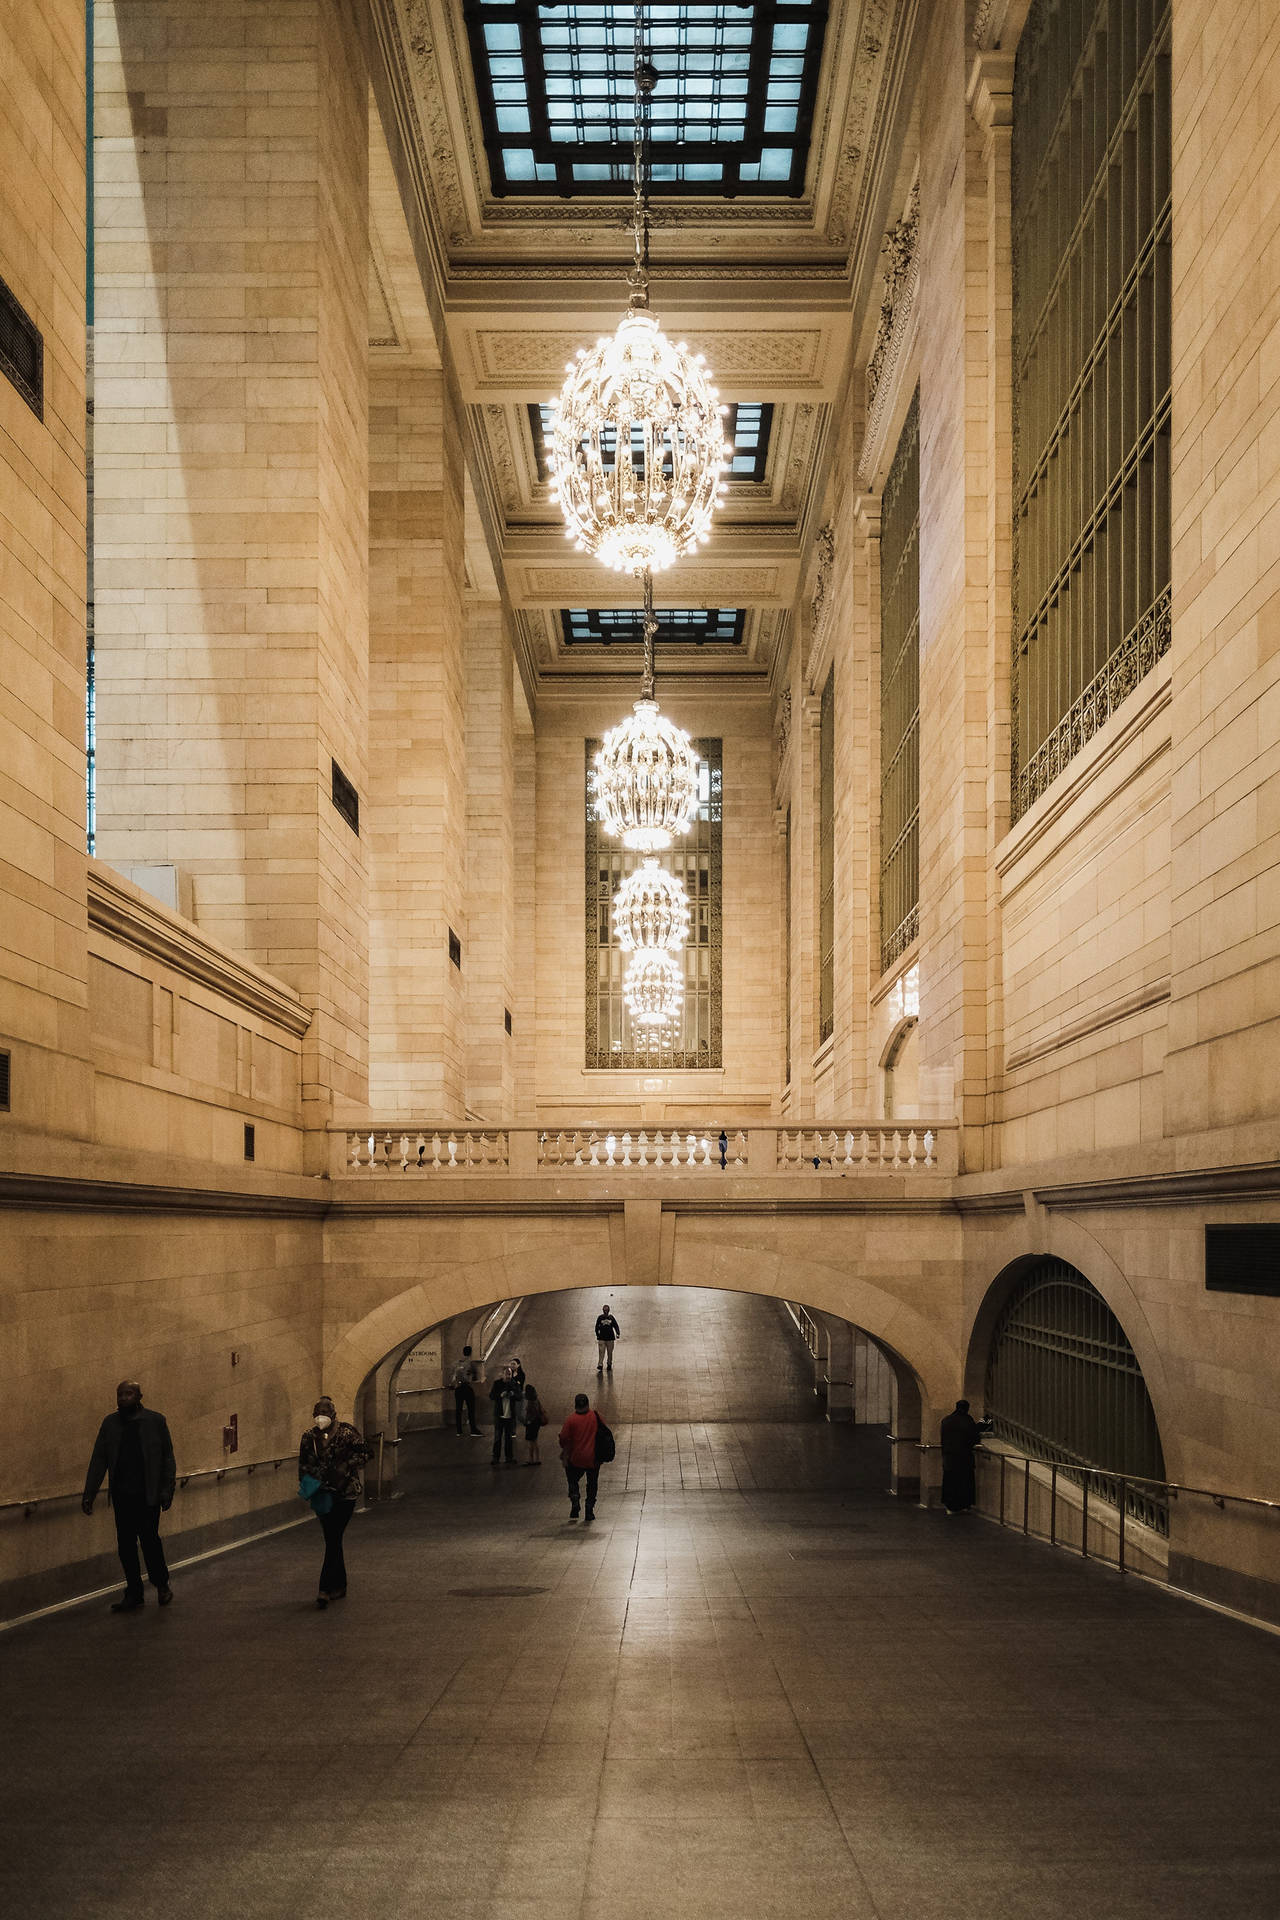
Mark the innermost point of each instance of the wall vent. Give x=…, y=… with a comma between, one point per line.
x=1242, y=1259
x=455, y=948
x=4, y=1083
x=345, y=798
x=250, y=1140
x=21, y=351
x=506, y=1018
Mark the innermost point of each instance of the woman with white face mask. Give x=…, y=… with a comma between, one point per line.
x=329, y=1462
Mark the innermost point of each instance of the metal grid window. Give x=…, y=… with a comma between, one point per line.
x=696, y=862
x=1092, y=174
x=748, y=428
x=1064, y=1385
x=786, y=947
x=900, y=696
x=732, y=112
x=677, y=626
x=827, y=860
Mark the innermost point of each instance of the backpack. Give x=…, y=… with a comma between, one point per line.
x=605, y=1448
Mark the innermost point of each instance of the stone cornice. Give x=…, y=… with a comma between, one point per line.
x=127, y=914
x=61, y=1193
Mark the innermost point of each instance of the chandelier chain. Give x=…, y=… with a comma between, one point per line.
x=650, y=631
x=645, y=80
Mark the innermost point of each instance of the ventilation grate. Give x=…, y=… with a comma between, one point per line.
x=345, y=798
x=21, y=351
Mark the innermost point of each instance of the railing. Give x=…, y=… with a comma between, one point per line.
x=1095, y=1512
x=33, y=1502
x=375, y=1147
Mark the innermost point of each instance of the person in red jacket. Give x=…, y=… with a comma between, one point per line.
x=578, y=1451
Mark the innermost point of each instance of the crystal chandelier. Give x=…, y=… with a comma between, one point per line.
x=654, y=993
x=637, y=448
x=650, y=911
x=645, y=778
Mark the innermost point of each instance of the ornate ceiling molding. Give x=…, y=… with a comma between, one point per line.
x=895, y=334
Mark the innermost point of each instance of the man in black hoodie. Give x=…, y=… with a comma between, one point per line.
x=134, y=1448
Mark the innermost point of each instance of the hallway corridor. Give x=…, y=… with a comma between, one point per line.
x=758, y=1689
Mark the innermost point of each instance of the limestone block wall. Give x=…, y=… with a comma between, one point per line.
x=42, y=564
x=566, y=1091
x=490, y=958
x=1224, y=1016
x=231, y=479
x=418, y=780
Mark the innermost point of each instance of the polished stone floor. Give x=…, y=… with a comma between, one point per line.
x=756, y=1688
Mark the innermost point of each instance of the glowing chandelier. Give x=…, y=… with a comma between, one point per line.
x=650, y=911
x=654, y=993
x=637, y=448
x=645, y=777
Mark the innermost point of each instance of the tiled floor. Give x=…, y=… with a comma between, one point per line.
x=758, y=1688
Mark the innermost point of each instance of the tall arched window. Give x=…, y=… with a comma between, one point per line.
x=1064, y=1384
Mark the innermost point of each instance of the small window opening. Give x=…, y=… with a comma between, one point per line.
x=345, y=798
x=249, y=1141
x=455, y=948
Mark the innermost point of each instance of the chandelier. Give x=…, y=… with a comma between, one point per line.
x=645, y=777
x=654, y=993
x=637, y=448
x=650, y=911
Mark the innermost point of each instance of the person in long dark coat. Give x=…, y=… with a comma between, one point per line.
x=959, y=1434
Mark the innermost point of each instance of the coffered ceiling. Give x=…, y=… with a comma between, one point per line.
x=772, y=285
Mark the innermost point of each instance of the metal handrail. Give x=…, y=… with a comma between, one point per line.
x=1100, y=1473
x=35, y=1500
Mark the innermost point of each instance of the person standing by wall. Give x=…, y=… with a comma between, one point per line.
x=331, y=1455
x=607, y=1331
x=959, y=1435
x=534, y=1415
x=134, y=1449
x=507, y=1401
x=465, y=1376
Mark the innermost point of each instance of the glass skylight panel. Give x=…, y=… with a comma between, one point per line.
x=555, y=88
x=677, y=626
x=747, y=429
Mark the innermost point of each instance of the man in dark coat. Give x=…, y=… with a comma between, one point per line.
x=960, y=1434
x=133, y=1447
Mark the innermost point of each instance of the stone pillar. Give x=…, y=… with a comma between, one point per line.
x=806, y=710
x=957, y=913
x=43, y=931
x=231, y=482
x=491, y=915
x=837, y=1382
x=525, y=853
x=417, y=748
x=863, y=831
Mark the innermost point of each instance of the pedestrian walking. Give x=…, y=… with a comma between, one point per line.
x=607, y=1331
x=507, y=1401
x=134, y=1452
x=464, y=1379
x=959, y=1435
x=330, y=1457
x=535, y=1419
x=585, y=1445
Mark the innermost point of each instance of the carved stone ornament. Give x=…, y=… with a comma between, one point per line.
x=826, y=562
x=784, y=723
x=897, y=298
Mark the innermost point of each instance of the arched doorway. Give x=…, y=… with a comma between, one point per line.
x=1063, y=1384
x=901, y=1068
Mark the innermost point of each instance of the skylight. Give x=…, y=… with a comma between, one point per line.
x=731, y=114
x=677, y=626
x=747, y=429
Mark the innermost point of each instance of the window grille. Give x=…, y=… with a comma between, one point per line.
x=1092, y=172
x=1064, y=1385
x=696, y=862
x=900, y=695
x=827, y=860
x=786, y=946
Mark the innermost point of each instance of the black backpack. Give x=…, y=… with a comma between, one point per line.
x=605, y=1448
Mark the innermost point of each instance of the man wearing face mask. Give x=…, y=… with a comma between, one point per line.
x=133, y=1448
x=332, y=1453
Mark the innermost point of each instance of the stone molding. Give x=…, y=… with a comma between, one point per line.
x=894, y=334
x=126, y=914
x=1152, y=995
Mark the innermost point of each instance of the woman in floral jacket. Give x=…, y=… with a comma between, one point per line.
x=331, y=1455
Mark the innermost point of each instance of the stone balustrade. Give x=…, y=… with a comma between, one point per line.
x=375, y=1147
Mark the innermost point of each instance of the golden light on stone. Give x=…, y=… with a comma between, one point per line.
x=637, y=449
x=645, y=779
x=654, y=993
x=650, y=911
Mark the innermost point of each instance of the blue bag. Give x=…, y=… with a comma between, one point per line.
x=318, y=1497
